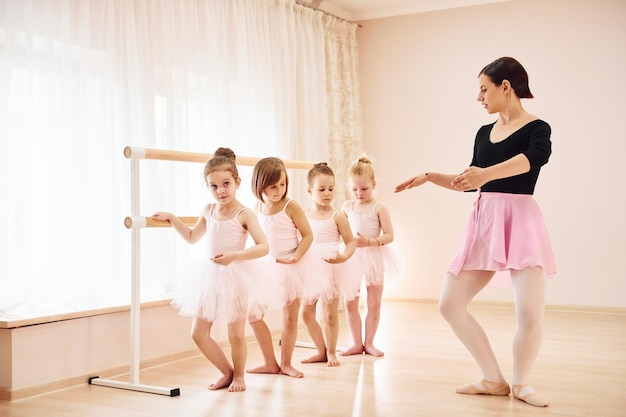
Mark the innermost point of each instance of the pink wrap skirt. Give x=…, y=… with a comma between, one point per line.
x=505, y=232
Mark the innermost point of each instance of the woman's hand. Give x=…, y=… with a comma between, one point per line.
x=412, y=182
x=472, y=178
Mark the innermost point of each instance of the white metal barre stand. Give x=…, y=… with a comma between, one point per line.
x=135, y=304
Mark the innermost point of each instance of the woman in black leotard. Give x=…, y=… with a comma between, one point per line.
x=506, y=231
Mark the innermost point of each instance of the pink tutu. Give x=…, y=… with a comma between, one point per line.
x=219, y=293
x=298, y=280
x=374, y=264
x=334, y=275
x=505, y=232
x=266, y=290
x=348, y=278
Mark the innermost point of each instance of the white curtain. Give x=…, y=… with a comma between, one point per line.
x=82, y=79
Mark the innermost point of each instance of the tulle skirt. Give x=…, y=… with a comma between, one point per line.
x=505, y=232
x=332, y=275
x=375, y=265
x=298, y=280
x=219, y=293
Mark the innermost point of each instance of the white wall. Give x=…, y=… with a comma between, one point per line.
x=418, y=82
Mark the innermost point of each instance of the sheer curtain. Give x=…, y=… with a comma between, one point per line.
x=345, y=130
x=79, y=80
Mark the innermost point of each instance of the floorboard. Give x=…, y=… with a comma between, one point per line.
x=581, y=368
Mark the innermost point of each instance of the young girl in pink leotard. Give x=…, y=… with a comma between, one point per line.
x=221, y=286
x=330, y=227
x=289, y=235
x=371, y=222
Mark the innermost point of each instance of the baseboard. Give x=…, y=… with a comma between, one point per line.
x=13, y=394
x=48, y=387
x=13, y=322
x=115, y=372
x=510, y=304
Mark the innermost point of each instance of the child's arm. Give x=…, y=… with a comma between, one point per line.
x=190, y=234
x=341, y=220
x=298, y=217
x=385, y=225
x=359, y=239
x=261, y=248
x=344, y=207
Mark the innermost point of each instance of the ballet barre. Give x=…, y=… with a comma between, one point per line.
x=138, y=222
x=180, y=156
x=135, y=222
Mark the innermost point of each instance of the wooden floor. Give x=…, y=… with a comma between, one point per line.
x=581, y=367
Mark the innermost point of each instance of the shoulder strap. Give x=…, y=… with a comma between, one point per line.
x=236, y=217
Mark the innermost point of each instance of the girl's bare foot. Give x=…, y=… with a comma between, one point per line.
x=223, y=382
x=354, y=350
x=332, y=360
x=291, y=371
x=265, y=369
x=371, y=350
x=237, y=385
x=320, y=357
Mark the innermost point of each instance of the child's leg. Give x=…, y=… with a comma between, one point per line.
x=309, y=313
x=239, y=352
x=201, y=335
x=374, y=298
x=331, y=328
x=354, y=323
x=264, y=338
x=288, y=339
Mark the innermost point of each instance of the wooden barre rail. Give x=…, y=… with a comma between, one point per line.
x=181, y=156
x=131, y=152
x=141, y=222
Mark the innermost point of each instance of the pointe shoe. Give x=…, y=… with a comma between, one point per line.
x=484, y=387
x=527, y=394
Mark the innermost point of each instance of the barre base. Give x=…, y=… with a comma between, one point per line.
x=152, y=389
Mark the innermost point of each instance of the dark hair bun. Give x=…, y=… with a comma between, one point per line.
x=225, y=152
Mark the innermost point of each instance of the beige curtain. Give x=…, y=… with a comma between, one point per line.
x=345, y=130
